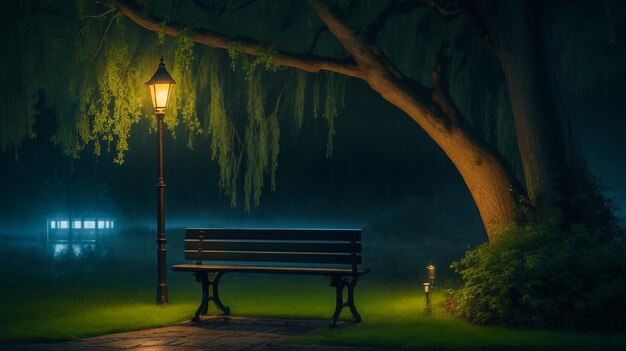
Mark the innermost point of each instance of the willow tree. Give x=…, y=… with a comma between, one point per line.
x=513, y=31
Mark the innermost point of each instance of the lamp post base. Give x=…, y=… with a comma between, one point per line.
x=162, y=298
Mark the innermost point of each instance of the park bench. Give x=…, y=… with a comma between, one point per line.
x=335, y=253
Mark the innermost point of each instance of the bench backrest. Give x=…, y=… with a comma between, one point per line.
x=311, y=246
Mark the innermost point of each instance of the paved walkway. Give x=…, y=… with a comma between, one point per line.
x=216, y=333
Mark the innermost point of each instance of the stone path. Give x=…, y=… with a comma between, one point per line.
x=215, y=333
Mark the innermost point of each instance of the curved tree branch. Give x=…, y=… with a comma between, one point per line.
x=485, y=171
x=309, y=63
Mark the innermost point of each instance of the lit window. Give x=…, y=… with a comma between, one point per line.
x=111, y=224
x=78, y=224
x=90, y=224
x=100, y=224
x=64, y=224
x=107, y=224
x=53, y=225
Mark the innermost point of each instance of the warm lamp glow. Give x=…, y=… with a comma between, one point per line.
x=160, y=86
x=160, y=95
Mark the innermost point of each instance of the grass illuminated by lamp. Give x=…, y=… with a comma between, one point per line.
x=393, y=314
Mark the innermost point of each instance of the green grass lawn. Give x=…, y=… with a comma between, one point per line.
x=394, y=314
x=46, y=298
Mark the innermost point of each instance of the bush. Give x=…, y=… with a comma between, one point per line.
x=545, y=275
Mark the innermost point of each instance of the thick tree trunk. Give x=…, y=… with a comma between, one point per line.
x=488, y=178
x=520, y=48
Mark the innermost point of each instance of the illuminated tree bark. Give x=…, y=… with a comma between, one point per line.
x=514, y=31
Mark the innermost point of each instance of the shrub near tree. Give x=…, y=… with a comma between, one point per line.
x=548, y=273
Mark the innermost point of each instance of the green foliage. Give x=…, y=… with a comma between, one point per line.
x=223, y=136
x=90, y=71
x=335, y=92
x=161, y=32
x=299, y=97
x=316, y=97
x=330, y=112
x=233, y=53
x=546, y=274
x=264, y=58
x=118, y=103
x=261, y=142
x=183, y=101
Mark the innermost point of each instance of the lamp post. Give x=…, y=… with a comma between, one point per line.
x=160, y=88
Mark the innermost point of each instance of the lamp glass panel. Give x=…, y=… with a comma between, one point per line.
x=152, y=95
x=161, y=93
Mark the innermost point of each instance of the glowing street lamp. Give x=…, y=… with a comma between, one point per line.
x=160, y=90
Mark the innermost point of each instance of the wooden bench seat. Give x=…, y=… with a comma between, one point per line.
x=335, y=253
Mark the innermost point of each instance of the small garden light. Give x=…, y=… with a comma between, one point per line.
x=427, y=291
x=432, y=273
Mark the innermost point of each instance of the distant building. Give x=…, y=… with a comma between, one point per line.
x=79, y=230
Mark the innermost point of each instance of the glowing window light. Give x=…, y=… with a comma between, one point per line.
x=64, y=225
x=100, y=224
x=78, y=224
x=111, y=224
x=53, y=225
x=107, y=224
x=90, y=224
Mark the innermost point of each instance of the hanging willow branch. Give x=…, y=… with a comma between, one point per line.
x=309, y=63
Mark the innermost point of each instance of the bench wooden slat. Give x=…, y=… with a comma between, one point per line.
x=296, y=257
x=275, y=234
x=193, y=244
x=268, y=270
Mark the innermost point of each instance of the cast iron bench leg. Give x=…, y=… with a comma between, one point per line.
x=355, y=313
x=216, y=297
x=340, y=283
x=204, y=305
